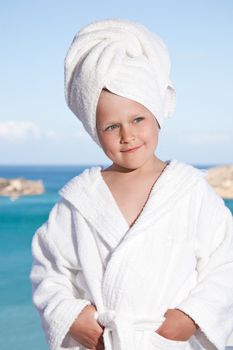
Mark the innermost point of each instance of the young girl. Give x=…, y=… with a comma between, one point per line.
x=138, y=255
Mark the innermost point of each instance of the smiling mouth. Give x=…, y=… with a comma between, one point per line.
x=132, y=149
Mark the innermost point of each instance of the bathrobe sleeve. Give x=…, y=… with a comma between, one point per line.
x=52, y=276
x=210, y=302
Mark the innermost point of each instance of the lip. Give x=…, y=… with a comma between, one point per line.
x=132, y=149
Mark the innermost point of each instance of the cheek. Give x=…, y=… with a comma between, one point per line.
x=108, y=141
x=150, y=133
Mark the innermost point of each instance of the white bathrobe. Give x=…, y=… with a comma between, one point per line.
x=178, y=253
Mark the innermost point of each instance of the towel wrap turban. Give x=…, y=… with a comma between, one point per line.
x=126, y=58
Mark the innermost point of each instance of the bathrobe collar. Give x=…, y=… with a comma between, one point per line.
x=90, y=195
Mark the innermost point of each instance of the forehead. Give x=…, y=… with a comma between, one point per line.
x=110, y=103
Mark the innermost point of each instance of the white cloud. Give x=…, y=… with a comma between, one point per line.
x=18, y=131
x=23, y=131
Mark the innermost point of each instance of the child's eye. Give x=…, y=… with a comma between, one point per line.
x=138, y=119
x=111, y=127
x=114, y=126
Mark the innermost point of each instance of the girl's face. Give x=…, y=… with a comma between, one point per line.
x=128, y=131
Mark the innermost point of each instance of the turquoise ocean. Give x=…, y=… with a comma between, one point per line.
x=20, y=327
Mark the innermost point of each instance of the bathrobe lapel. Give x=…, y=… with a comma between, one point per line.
x=104, y=214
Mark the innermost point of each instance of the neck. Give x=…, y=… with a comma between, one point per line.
x=152, y=165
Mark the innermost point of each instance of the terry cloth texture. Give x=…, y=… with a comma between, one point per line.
x=177, y=254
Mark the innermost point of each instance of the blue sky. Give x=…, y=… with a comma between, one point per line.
x=36, y=126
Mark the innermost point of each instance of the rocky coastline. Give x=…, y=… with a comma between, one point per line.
x=221, y=179
x=17, y=187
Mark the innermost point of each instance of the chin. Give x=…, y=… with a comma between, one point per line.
x=130, y=165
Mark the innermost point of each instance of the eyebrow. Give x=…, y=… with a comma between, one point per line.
x=110, y=123
x=136, y=115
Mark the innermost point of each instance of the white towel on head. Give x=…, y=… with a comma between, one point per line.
x=126, y=58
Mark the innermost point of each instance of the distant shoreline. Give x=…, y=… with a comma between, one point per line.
x=17, y=187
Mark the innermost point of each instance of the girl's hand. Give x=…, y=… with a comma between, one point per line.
x=86, y=330
x=177, y=326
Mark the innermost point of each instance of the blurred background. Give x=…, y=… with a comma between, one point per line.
x=40, y=138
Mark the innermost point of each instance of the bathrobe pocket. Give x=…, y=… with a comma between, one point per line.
x=162, y=343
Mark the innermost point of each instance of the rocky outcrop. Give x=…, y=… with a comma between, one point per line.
x=17, y=187
x=221, y=179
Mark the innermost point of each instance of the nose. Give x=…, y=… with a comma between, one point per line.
x=126, y=134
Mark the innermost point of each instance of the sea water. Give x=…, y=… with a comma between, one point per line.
x=20, y=326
